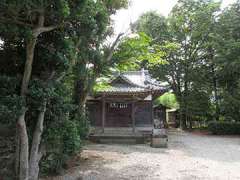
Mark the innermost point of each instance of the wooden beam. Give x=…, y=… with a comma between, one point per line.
x=103, y=113
x=133, y=116
x=152, y=111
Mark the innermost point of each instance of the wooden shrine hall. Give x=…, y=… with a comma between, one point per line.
x=125, y=107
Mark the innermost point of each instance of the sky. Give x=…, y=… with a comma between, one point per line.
x=123, y=17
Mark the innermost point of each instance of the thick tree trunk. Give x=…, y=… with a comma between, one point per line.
x=184, y=99
x=79, y=90
x=81, y=93
x=30, y=46
x=183, y=123
x=35, y=155
x=22, y=148
x=182, y=119
x=22, y=129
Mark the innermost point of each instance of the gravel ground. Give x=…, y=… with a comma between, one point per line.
x=188, y=157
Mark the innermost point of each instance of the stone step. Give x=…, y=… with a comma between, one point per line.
x=121, y=130
x=118, y=138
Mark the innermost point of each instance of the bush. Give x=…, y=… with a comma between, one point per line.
x=83, y=125
x=63, y=142
x=224, y=127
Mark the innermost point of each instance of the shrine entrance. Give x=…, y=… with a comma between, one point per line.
x=118, y=114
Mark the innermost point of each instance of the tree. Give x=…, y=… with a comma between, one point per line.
x=168, y=100
x=188, y=31
x=137, y=52
x=89, y=52
x=30, y=20
x=227, y=45
x=154, y=25
x=60, y=39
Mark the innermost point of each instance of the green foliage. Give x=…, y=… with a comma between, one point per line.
x=100, y=86
x=82, y=124
x=167, y=99
x=136, y=52
x=227, y=43
x=186, y=40
x=10, y=102
x=154, y=25
x=224, y=128
x=53, y=163
x=70, y=55
x=113, y=5
x=64, y=141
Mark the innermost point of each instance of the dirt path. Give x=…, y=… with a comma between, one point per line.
x=188, y=157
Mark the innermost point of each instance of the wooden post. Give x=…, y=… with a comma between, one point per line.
x=152, y=110
x=103, y=113
x=133, y=116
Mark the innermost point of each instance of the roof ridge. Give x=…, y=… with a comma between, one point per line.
x=131, y=82
x=127, y=80
x=139, y=71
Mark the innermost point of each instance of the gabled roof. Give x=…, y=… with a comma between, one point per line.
x=133, y=82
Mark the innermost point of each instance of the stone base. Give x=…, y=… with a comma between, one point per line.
x=159, y=142
x=108, y=138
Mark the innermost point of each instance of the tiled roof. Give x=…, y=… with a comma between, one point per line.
x=121, y=88
x=133, y=82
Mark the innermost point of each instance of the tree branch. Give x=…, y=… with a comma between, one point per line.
x=14, y=21
x=109, y=57
x=39, y=30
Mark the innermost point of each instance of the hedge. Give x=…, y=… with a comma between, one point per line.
x=224, y=127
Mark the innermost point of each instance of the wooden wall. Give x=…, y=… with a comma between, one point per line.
x=94, y=109
x=143, y=113
x=120, y=117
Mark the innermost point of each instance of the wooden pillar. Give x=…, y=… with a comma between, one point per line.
x=152, y=110
x=103, y=113
x=133, y=116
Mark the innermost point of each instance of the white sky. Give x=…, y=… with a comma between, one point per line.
x=123, y=17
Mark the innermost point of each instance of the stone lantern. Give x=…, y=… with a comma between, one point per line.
x=159, y=137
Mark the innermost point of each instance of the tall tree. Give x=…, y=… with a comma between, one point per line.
x=30, y=20
x=227, y=50
x=154, y=25
x=188, y=30
x=91, y=55
x=70, y=32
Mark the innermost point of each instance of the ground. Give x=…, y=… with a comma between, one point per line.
x=188, y=157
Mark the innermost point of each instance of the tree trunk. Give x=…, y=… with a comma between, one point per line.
x=190, y=123
x=30, y=46
x=22, y=148
x=214, y=81
x=81, y=91
x=17, y=155
x=183, y=123
x=182, y=117
x=184, y=99
x=35, y=156
x=22, y=129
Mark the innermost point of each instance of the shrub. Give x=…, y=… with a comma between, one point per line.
x=83, y=124
x=224, y=127
x=63, y=142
